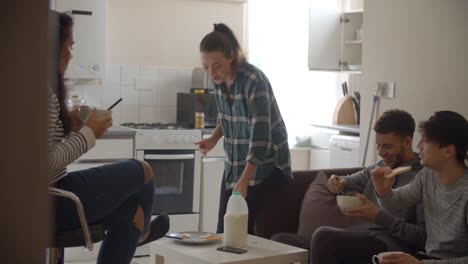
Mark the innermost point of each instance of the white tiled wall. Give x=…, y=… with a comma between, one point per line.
x=149, y=92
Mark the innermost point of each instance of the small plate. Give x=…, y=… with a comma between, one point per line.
x=190, y=237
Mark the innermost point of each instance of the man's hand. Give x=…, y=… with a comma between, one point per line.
x=336, y=184
x=382, y=185
x=399, y=258
x=367, y=211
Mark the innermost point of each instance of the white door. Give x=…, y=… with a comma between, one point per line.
x=212, y=173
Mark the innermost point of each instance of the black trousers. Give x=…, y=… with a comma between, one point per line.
x=256, y=196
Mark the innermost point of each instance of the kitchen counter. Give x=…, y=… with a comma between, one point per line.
x=119, y=132
x=343, y=129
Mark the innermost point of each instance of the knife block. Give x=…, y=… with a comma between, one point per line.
x=344, y=112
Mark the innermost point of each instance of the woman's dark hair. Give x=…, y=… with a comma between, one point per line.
x=395, y=121
x=65, y=29
x=447, y=128
x=222, y=39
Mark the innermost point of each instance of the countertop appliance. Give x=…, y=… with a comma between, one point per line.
x=190, y=103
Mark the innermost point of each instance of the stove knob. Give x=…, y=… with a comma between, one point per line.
x=186, y=140
x=177, y=140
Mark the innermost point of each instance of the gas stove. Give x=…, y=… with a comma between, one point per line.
x=152, y=125
x=168, y=136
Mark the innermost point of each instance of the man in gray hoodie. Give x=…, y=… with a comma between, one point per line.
x=442, y=188
x=373, y=230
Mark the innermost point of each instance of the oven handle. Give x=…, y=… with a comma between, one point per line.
x=169, y=157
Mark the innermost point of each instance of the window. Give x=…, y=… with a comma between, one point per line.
x=277, y=44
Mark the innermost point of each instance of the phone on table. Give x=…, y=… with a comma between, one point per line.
x=233, y=250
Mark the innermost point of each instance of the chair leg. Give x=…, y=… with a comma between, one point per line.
x=55, y=256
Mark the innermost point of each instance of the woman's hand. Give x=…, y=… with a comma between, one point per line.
x=382, y=185
x=98, y=125
x=75, y=120
x=399, y=258
x=367, y=211
x=241, y=186
x=206, y=145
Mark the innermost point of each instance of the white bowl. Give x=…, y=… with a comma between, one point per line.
x=346, y=202
x=84, y=113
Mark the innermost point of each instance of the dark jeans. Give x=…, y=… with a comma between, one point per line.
x=335, y=245
x=110, y=195
x=256, y=196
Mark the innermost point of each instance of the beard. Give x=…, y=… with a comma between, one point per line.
x=398, y=158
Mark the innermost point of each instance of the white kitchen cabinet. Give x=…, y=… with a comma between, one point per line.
x=335, y=36
x=212, y=176
x=89, y=50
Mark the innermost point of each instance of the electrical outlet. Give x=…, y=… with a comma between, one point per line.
x=386, y=89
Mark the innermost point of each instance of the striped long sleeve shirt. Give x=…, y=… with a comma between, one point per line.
x=445, y=212
x=253, y=128
x=64, y=151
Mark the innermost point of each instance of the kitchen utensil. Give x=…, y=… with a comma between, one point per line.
x=346, y=88
x=114, y=104
x=358, y=96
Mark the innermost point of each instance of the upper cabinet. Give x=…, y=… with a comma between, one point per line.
x=89, y=33
x=335, y=35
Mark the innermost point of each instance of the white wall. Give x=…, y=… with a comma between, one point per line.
x=422, y=46
x=166, y=32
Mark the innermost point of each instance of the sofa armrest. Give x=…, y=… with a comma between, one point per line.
x=283, y=205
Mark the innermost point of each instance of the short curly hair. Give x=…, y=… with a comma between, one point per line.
x=447, y=128
x=395, y=121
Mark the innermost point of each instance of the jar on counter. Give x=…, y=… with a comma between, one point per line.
x=75, y=101
x=199, y=120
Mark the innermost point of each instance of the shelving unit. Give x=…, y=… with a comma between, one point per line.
x=335, y=35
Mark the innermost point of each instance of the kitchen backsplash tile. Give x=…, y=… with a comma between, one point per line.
x=148, y=72
x=149, y=98
x=130, y=95
x=110, y=94
x=168, y=77
x=166, y=114
x=149, y=92
x=113, y=74
x=130, y=73
x=148, y=114
x=168, y=95
x=129, y=114
x=145, y=84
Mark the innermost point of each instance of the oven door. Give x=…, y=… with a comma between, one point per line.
x=176, y=178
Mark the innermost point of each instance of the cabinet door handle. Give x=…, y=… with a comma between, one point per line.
x=169, y=157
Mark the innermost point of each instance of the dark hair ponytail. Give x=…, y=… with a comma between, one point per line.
x=222, y=39
x=65, y=27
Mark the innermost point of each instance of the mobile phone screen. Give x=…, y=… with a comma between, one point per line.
x=232, y=250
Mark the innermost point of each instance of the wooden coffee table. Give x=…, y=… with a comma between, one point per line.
x=260, y=251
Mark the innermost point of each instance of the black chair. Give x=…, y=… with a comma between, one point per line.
x=84, y=236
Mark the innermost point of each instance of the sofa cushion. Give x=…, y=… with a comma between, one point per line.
x=319, y=208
